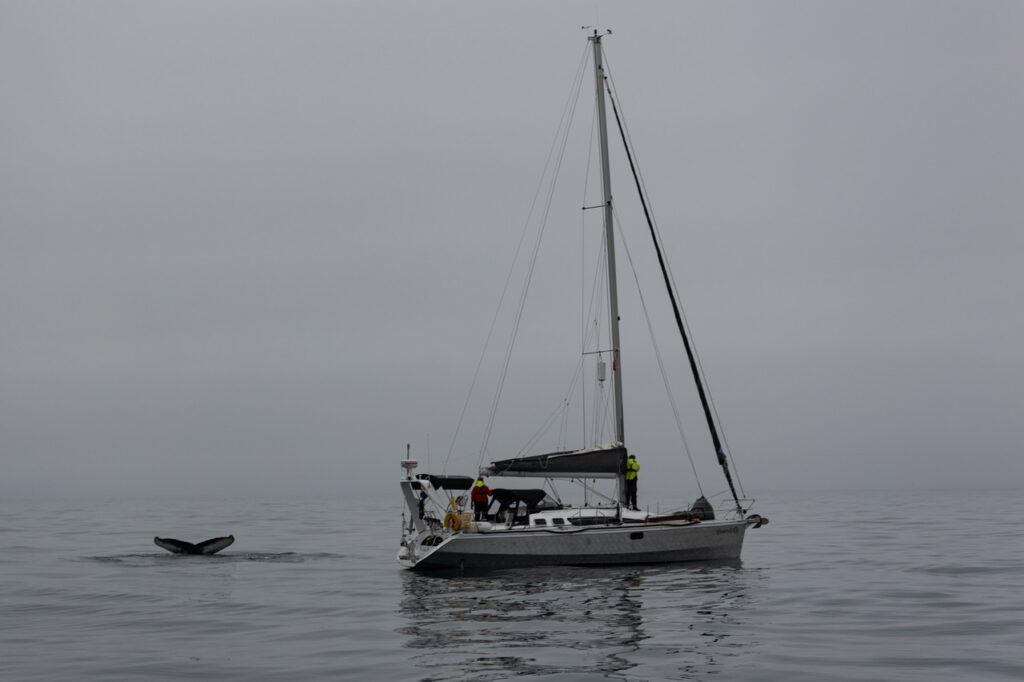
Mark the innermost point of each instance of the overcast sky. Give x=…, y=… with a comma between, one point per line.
x=254, y=247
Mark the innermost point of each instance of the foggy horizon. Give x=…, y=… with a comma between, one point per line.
x=254, y=248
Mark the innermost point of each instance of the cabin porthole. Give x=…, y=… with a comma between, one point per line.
x=636, y=536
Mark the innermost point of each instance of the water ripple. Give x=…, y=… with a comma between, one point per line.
x=876, y=590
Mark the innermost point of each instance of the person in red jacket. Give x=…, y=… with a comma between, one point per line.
x=481, y=499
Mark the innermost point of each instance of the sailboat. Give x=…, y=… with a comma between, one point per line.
x=527, y=527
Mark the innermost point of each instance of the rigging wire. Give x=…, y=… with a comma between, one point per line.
x=698, y=372
x=682, y=311
x=657, y=354
x=591, y=339
x=577, y=82
x=657, y=230
x=567, y=118
x=544, y=427
x=584, y=309
x=595, y=318
x=675, y=287
x=590, y=311
x=563, y=431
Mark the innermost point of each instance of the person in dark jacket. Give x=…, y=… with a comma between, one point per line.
x=481, y=499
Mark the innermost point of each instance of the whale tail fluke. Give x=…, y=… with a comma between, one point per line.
x=214, y=545
x=176, y=546
x=211, y=546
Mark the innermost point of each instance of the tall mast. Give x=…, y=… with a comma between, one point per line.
x=609, y=238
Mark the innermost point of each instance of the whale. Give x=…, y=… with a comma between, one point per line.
x=211, y=546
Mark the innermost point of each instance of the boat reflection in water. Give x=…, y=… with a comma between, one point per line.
x=668, y=621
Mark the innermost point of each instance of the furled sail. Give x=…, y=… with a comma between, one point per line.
x=606, y=462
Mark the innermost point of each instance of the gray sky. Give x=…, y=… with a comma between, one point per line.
x=255, y=247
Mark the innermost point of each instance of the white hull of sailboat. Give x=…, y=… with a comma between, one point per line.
x=627, y=544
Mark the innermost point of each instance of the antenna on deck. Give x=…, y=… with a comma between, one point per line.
x=408, y=463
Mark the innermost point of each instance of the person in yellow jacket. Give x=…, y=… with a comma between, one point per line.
x=632, y=469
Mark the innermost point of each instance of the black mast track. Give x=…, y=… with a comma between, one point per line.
x=675, y=309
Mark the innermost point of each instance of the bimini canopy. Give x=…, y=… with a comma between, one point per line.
x=606, y=462
x=532, y=500
x=449, y=482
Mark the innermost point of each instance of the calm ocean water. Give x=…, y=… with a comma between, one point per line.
x=845, y=586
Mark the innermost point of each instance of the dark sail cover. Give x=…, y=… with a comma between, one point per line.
x=596, y=463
